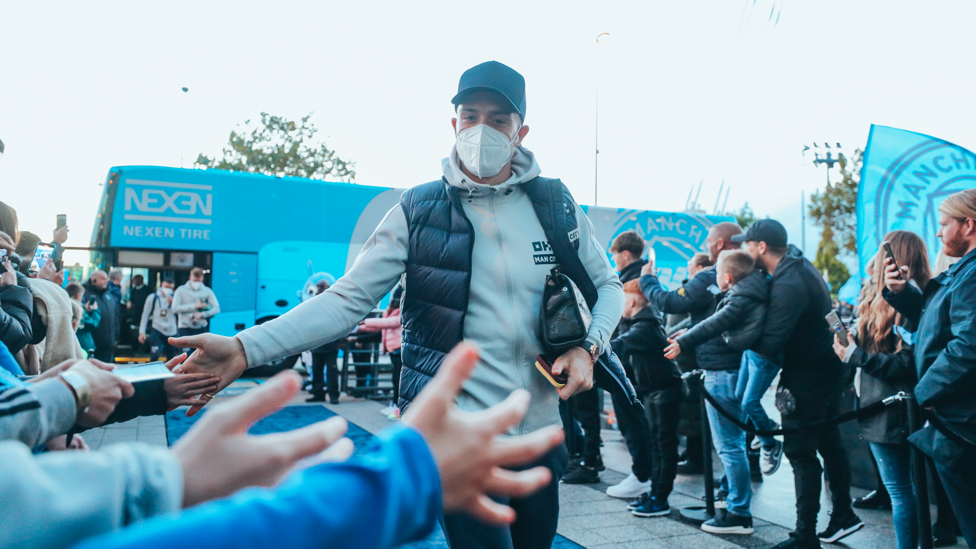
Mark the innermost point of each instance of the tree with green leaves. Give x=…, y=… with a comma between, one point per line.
x=835, y=210
x=836, y=206
x=744, y=217
x=280, y=147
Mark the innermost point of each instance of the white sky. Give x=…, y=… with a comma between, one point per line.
x=687, y=90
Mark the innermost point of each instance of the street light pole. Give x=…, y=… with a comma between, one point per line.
x=183, y=133
x=826, y=157
x=596, y=128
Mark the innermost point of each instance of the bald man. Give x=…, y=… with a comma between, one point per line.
x=698, y=297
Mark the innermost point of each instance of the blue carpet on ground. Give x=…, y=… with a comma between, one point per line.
x=290, y=418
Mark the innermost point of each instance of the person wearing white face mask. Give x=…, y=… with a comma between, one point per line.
x=473, y=249
x=159, y=318
x=194, y=303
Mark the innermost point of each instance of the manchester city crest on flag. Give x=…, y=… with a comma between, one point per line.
x=904, y=178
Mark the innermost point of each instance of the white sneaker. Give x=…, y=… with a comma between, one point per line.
x=629, y=488
x=771, y=458
x=388, y=410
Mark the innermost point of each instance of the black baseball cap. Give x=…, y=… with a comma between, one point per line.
x=496, y=77
x=769, y=231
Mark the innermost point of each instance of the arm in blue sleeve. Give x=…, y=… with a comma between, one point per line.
x=387, y=497
x=692, y=296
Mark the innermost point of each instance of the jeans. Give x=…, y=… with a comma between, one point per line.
x=105, y=354
x=801, y=449
x=663, y=413
x=960, y=486
x=730, y=441
x=159, y=345
x=536, y=516
x=183, y=332
x=756, y=374
x=635, y=428
x=895, y=465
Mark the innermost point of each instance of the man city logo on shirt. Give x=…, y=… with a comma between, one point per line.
x=543, y=253
x=905, y=178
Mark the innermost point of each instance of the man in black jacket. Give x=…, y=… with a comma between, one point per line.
x=107, y=332
x=944, y=359
x=699, y=297
x=16, y=308
x=810, y=384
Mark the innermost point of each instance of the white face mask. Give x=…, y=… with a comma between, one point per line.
x=166, y=292
x=195, y=284
x=484, y=150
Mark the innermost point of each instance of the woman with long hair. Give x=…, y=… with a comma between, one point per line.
x=883, y=355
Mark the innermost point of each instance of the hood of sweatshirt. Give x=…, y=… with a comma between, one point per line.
x=524, y=168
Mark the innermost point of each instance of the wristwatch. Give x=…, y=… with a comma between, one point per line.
x=81, y=388
x=594, y=351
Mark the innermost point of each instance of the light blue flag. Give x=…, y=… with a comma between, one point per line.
x=904, y=178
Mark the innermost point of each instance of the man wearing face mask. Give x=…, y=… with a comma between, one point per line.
x=194, y=303
x=158, y=316
x=474, y=247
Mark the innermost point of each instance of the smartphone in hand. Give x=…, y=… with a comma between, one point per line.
x=838, y=327
x=891, y=255
x=545, y=368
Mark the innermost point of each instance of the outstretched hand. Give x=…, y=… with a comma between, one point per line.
x=219, y=457
x=470, y=448
x=672, y=351
x=183, y=389
x=220, y=355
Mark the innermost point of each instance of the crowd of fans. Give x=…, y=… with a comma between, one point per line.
x=753, y=310
x=57, y=379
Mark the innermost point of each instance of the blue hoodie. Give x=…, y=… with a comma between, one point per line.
x=388, y=497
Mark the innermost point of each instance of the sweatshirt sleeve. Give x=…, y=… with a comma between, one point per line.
x=333, y=313
x=388, y=497
x=181, y=304
x=60, y=498
x=35, y=413
x=214, y=305
x=377, y=324
x=610, y=293
x=146, y=310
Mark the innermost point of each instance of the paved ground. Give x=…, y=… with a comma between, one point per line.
x=587, y=515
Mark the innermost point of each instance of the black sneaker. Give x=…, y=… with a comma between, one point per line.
x=652, y=507
x=582, y=474
x=687, y=467
x=316, y=398
x=874, y=499
x=727, y=523
x=839, y=528
x=646, y=496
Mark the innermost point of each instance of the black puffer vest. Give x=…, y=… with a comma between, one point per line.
x=438, y=272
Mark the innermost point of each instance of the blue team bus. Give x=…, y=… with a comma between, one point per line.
x=259, y=237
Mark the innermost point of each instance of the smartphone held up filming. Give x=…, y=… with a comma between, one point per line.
x=838, y=327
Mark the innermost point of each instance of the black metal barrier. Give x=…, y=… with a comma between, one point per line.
x=701, y=514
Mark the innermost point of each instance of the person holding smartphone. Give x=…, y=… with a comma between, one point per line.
x=883, y=355
x=16, y=301
x=945, y=310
